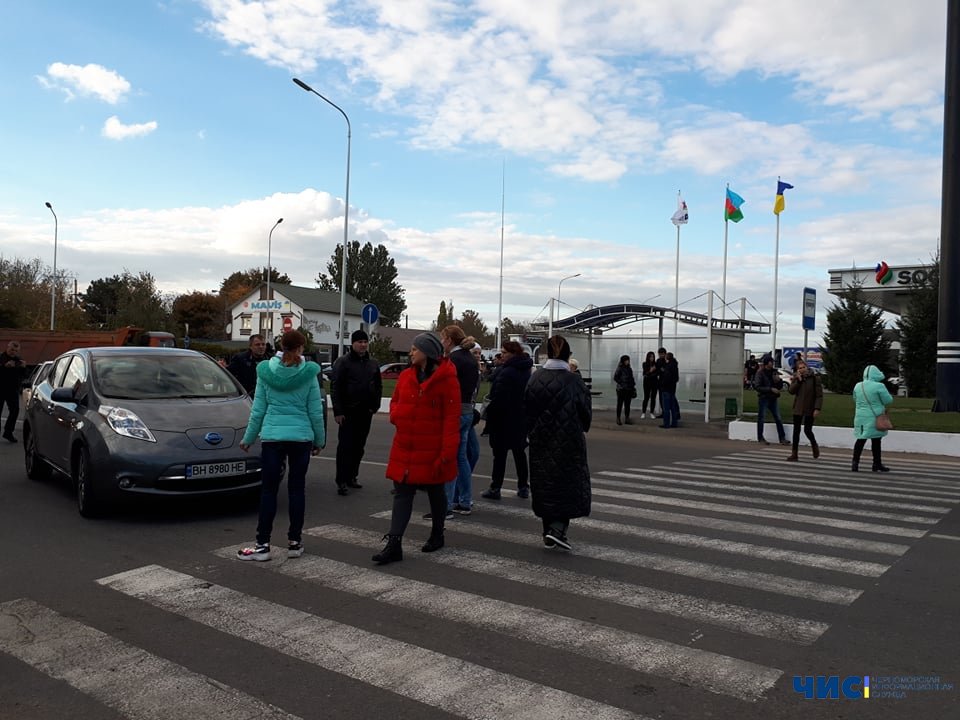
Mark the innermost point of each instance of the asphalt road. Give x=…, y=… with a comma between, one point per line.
x=708, y=576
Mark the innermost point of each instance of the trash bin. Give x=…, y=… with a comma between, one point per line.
x=730, y=407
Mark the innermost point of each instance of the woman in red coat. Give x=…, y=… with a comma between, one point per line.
x=425, y=408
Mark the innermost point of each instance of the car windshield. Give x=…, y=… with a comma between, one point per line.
x=161, y=376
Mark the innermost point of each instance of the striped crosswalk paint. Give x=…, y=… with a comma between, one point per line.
x=793, y=557
x=375, y=659
x=135, y=683
x=752, y=579
x=697, y=609
x=690, y=666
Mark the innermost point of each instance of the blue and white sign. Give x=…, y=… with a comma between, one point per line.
x=809, y=308
x=370, y=314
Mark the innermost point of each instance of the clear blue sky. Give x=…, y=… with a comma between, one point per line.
x=169, y=138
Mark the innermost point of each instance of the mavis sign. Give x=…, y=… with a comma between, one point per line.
x=266, y=304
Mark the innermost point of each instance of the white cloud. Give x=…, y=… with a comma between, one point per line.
x=116, y=130
x=579, y=85
x=86, y=80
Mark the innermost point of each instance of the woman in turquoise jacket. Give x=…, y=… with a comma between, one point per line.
x=287, y=414
x=871, y=398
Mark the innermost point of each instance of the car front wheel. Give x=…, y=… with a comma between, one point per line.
x=88, y=503
x=36, y=468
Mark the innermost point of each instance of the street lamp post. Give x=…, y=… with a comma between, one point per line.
x=53, y=284
x=269, y=273
x=559, y=284
x=346, y=215
x=555, y=304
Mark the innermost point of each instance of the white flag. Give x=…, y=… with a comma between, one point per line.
x=681, y=216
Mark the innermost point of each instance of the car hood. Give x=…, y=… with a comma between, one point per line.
x=191, y=413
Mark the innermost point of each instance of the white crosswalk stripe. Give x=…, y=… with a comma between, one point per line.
x=703, y=576
x=106, y=668
x=365, y=656
x=726, y=615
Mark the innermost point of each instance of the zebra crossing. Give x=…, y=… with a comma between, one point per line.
x=706, y=578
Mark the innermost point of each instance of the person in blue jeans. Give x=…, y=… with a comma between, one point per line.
x=767, y=383
x=287, y=414
x=669, y=378
x=458, y=348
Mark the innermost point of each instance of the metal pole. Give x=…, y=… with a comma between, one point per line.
x=550, y=323
x=948, y=316
x=346, y=216
x=53, y=283
x=723, y=292
x=503, y=200
x=676, y=288
x=568, y=277
x=270, y=272
x=776, y=279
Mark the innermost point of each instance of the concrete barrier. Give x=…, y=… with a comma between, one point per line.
x=929, y=443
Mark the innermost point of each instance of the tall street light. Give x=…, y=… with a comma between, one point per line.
x=569, y=277
x=53, y=284
x=269, y=273
x=555, y=304
x=346, y=214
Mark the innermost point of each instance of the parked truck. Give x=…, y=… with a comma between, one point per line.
x=36, y=346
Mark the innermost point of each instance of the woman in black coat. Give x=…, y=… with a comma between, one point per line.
x=626, y=389
x=506, y=425
x=557, y=406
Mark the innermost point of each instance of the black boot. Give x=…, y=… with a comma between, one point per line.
x=854, y=466
x=880, y=467
x=392, y=552
x=435, y=542
x=619, y=421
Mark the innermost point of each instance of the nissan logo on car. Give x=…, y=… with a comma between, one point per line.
x=214, y=438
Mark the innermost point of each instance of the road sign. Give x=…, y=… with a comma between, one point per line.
x=809, y=308
x=287, y=324
x=370, y=314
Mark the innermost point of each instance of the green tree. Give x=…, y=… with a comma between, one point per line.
x=204, y=312
x=472, y=324
x=371, y=278
x=854, y=339
x=380, y=350
x=24, y=294
x=139, y=303
x=101, y=301
x=444, y=317
x=240, y=283
x=918, y=337
x=511, y=328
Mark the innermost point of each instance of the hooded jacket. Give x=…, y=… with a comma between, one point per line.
x=871, y=398
x=287, y=404
x=506, y=423
x=808, y=393
x=427, y=418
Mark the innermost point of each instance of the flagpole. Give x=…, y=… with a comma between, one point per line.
x=503, y=200
x=723, y=294
x=676, y=284
x=776, y=278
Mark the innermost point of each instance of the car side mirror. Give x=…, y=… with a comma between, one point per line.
x=63, y=394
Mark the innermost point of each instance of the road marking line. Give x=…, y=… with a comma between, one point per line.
x=938, y=473
x=747, y=471
x=365, y=656
x=724, y=475
x=780, y=584
x=689, y=607
x=774, y=514
x=708, y=670
x=132, y=681
x=794, y=557
x=938, y=536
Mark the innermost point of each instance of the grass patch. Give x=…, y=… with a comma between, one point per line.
x=906, y=413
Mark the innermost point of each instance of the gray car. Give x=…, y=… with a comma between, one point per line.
x=139, y=421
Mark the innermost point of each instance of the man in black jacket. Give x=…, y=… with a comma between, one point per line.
x=11, y=377
x=243, y=366
x=356, y=390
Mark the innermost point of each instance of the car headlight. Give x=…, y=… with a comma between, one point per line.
x=123, y=422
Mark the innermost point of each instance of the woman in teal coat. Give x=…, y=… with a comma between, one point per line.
x=287, y=414
x=871, y=398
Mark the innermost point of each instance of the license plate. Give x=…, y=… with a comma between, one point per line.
x=237, y=467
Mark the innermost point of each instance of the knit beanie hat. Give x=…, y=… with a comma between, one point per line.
x=358, y=335
x=429, y=345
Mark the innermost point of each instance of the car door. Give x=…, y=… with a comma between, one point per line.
x=40, y=411
x=65, y=417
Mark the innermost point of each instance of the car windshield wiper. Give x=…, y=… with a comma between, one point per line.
x=220, y=395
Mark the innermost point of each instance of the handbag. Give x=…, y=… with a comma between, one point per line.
x=633, y=392
x=881, y=421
